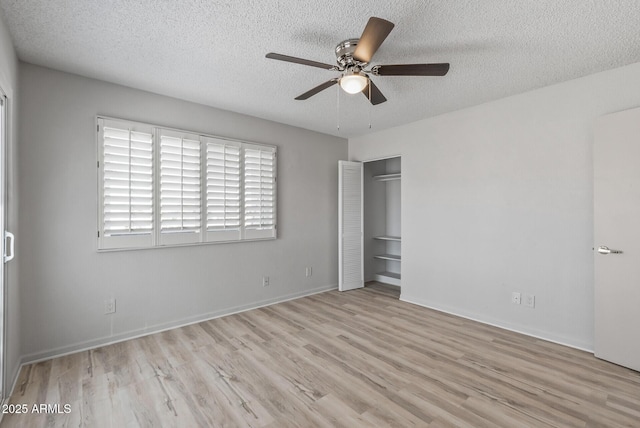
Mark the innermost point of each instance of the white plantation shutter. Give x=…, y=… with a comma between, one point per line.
x=162, y=187
x=126, y=185
x=222, y=188
x=259, y=192
x=180, y=188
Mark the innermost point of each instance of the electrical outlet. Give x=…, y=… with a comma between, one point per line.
x=110, y=306
x=530, y=300
x=265, y=281
x=515, y=298
x=308, y=272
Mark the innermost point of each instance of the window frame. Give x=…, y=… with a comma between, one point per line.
x=204, y=236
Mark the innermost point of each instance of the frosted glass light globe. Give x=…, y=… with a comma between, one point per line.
x=352, y=83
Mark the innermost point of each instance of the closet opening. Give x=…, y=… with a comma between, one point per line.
x=382, y=231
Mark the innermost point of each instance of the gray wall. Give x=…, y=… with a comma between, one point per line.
x=498, y=198
x=9, y=83
x=65, y=281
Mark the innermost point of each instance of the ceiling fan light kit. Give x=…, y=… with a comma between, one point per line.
x=353, y=82
x=352, y=57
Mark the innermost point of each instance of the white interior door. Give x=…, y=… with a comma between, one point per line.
x=350, y=226
x=3, y=238
x=616, y=158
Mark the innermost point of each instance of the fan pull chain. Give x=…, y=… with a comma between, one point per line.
x=370, y=105
x=338, y=108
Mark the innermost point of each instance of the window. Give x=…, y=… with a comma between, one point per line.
x=162, y=187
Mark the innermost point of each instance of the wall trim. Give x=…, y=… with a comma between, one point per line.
x=543, y=335
x=158, y=328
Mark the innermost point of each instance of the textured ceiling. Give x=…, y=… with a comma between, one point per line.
x=212, y=51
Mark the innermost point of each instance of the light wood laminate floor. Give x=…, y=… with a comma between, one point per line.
x=360, y=358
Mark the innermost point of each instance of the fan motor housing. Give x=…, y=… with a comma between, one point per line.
x=344, y=53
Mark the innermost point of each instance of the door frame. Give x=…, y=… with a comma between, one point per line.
x=390, y=281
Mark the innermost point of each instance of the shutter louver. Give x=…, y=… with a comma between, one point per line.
x=127, y=182
x=223, y=187
x=180, y=185
x=259, y=190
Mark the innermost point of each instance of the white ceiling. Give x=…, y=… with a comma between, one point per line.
x=212, y=51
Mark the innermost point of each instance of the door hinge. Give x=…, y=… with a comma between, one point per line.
x=98, y=126
x=98, y=164
x=98, y=234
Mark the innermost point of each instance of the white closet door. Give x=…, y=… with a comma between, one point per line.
x=350, y=226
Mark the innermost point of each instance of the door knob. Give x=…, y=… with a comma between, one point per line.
x=8, y=236
x=603, y=249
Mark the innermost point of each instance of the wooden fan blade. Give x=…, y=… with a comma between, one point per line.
x=376, y=95
x=411, y=70
x=317, y=89
x=374, y=33
x=293, y=59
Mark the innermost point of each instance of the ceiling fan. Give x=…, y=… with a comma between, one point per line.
x=353, y=55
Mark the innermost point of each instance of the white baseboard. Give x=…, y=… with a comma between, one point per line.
x=549, y=337
x=133, y=334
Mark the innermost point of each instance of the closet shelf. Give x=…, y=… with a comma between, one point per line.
x=393, y=275
x=393, y=257
x=387, y=177
x=388, y=238
x=388, y=278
